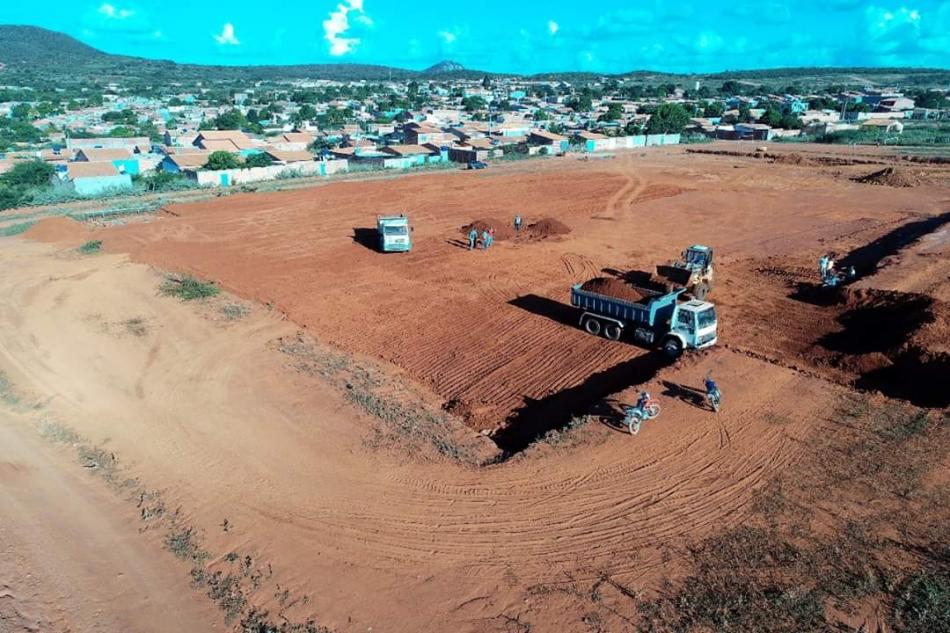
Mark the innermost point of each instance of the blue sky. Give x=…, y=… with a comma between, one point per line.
x=528, y=37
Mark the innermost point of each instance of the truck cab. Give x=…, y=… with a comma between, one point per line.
x=395, y=234
x=692, y=326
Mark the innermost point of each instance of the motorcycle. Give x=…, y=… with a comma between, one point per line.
x=636, y=415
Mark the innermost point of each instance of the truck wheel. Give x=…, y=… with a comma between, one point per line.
x=592, y=326
x=672, y=348
x=613, y=331
x=700, y=291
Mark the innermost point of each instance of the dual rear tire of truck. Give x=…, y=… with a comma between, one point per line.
x=606, y=329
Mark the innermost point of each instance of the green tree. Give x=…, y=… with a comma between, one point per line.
x=791, y=121
x=714, y=109
x=486, y=82
x=614, y=112
x=771, y=117
x=474, y=103
x=581, y=103
x=31, y=173
x=541, y=115
x=258, y=160
x=222, y=160
x=10, y=197
x=633, y=129
x=230, y=120
x=21, y=111
x=669, y=118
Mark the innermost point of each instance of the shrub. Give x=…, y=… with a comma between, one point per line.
x=187, y=288
x=258, y=160
x=222, y=160
x=90, y=247
x=923, y=604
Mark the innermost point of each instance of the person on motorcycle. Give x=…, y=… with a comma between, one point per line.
x=642, y=401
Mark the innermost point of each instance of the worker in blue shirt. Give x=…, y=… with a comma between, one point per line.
x=486, y=239
x=518, y=223
x=472, y=238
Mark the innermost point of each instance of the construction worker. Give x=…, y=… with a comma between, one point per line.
x=518, y=223
x=823, y=266
x=472, y=238
x=486, y=240
x=713, y=395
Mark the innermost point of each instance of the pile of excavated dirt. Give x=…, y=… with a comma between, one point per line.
x=616, y=288
x=891, y=177
x=792, y=158
x=58, y=229
x=503, y=230
x=544, y=228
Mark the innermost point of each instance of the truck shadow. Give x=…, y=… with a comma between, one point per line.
x=555, y=412
x=366, y=237
x=562, y=313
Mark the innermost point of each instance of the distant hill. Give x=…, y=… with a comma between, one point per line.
x=33, y=45
x=35, y=56
x=443, y=68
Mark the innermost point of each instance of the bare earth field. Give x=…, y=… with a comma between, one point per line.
x=274, y=432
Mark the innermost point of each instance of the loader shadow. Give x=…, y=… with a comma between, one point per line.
x=689, y=395
x=562, y=313
x=555, y=412
x=367, y=238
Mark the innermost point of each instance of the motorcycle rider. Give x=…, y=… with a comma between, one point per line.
x=642, y=402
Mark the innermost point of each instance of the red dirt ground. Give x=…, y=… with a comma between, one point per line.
x=209, y=413
x=480, y=328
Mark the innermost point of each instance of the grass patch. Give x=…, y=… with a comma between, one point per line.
x=234, y=311
x=91, y=247
x=187, y=288
x=815, y=546
x=136, y=326
x=7, y=393
x=15, y=229
x=923, y=603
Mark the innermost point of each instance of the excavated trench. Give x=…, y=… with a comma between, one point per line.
x=886, y=342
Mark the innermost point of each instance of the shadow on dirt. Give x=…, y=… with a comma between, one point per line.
x=562, y=313
x=555, y=412
x=366, y=237
x=689, y=395
x=865, y=259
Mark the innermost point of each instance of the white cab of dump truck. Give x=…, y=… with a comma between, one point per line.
x=395, y=234
x=694, y=324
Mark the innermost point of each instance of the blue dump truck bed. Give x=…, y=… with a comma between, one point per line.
x=656, y=309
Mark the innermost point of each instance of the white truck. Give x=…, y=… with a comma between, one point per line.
x=395, y=234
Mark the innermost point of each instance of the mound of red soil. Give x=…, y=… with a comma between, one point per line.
x=616, y=288
x=792, y=158
x=890, y=177
x=503, y=230
x=544, y=228
x=59, y=230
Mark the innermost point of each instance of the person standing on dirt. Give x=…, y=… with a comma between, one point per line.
x=472, y=238
x=518, y=223
x=486, y=240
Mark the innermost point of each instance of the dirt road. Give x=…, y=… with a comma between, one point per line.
x=72, y=558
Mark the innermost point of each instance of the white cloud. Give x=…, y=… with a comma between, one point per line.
x=553, y=27
x=338, y=23
x=114, y=13
x=448, y=37
x=227, y=36
x=157, y=35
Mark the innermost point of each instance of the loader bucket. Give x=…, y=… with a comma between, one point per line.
x=674, y=274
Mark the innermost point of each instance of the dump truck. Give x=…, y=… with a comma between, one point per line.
x=694, y=271
x=395, y=234
x=660, y=319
